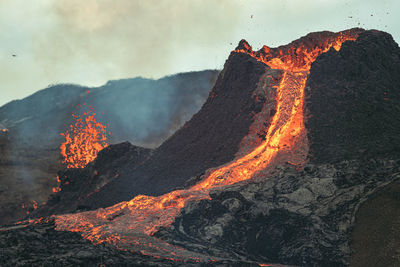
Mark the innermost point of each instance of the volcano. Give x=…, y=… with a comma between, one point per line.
x=273, y=169
x=41, y=124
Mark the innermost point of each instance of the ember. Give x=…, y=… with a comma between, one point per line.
x=57, y=189
x=83, y=140
x=30, y=206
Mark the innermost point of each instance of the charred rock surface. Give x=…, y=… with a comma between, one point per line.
x=30, y=129
x=353, y=100
x=306, y=218
x=40, y=245
x=376, y=232
x=299, y=218
x=79, y=183
x=209, y=139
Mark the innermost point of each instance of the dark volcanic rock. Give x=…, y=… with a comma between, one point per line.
x=376, y=235
x=299, y=218
x=306, y=217
x=353, y=98
x=29, y=150
x=41, y=245
x=209, y=139
x=79, y=183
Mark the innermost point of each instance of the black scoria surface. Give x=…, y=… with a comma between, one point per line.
x=353, y=99
x=209, y=139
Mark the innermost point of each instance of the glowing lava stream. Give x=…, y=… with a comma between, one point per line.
x=130, y=224
x=147, y=214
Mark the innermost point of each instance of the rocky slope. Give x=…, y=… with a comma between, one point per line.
x=306, y=217
x=34, y=125
x=298, y=218
x=76, y=184
x=297, y=215
x=360, y=86
x=210, y=138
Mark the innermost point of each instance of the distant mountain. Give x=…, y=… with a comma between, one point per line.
x=142, y=111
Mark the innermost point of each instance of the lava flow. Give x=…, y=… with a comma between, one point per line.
x=83, y=140
x=131, y=224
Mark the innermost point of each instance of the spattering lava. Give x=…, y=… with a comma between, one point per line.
x=83, y=140
x=131, y=224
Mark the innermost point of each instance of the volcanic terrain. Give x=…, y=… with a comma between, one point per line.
x=285, y=163
x=33, y=126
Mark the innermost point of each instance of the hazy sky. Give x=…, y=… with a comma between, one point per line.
x=91, y=41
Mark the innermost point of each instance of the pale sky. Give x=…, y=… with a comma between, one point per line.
x=89, y=42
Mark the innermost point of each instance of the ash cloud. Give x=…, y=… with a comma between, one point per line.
x=142, y=111
x=95, y=41
x=90, y=42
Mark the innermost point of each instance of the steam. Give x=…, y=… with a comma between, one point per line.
x=142, y=111
x=98, y=40
x=145, y=111
x=92, y=41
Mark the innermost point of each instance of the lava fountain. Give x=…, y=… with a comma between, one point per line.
x=83, y=140
x=131, y=224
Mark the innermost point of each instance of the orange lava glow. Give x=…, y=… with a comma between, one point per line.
x=83, y=140
x=57, y=189
x=296, y=58
x=31, y=206
x=131, y=224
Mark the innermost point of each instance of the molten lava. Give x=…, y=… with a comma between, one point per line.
x=30, y=207
x=131, y=224
x=83, y=140
x=57, y=188
x=299, y=55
